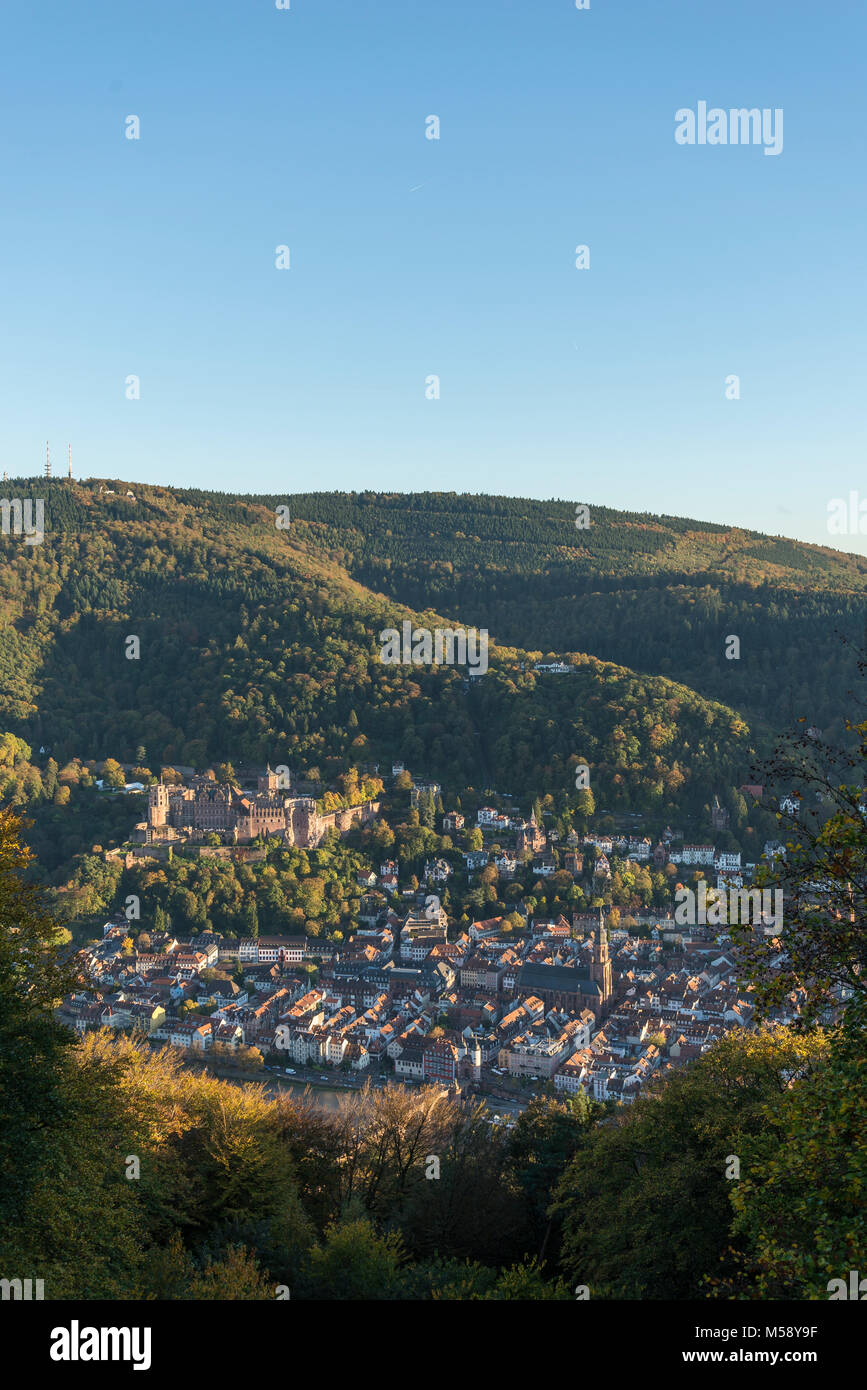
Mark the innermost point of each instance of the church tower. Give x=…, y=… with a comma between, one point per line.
x=600, y=970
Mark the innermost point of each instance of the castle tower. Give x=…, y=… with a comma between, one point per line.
x=719, y=817
x=303, y=825
x=270, y=782
x=158, y=805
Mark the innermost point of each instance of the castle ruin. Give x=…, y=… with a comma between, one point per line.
x=207, y=807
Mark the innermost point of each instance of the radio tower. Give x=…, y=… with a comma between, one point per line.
x=47, y=460
x=69, y=447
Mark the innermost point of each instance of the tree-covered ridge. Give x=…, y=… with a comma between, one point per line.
x=656, y=593
x=257, y=646
x=531, y=536
x=659, y=594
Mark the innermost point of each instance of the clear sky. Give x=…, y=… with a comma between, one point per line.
x=456, y=257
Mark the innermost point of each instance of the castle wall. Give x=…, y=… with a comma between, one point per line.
x=205, y=807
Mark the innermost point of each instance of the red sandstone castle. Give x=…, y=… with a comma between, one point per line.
x=206, y=806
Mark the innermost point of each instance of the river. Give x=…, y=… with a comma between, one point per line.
x=321, y=1093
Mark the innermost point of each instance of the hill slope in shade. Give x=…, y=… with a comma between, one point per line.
x=262, y=644
x=659, y=594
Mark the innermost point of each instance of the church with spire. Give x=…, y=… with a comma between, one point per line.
x=531, y=837
x=600, y=970
x=561, y=984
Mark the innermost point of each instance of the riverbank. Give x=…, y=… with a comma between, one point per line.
x=323, y=1093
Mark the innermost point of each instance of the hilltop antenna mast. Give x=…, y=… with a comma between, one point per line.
x=47, y=460
x=69, y=448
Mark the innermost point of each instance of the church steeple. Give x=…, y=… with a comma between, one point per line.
x=600, y=946
x=601, y=970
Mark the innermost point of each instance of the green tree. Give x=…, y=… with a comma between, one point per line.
x=645, y=1204
x=545, y=1139
x=113, y=774
x=354, y=1262
x=67, y=1215
x=821, y=946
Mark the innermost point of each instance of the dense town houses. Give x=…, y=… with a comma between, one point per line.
x=570, y=1003
x=570, y=1000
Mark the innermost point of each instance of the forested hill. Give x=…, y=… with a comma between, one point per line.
x=257, y=643
x=657, y=593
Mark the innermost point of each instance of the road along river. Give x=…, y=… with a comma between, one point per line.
x=321, y=1093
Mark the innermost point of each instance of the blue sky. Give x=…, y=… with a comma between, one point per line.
x=456, y=257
